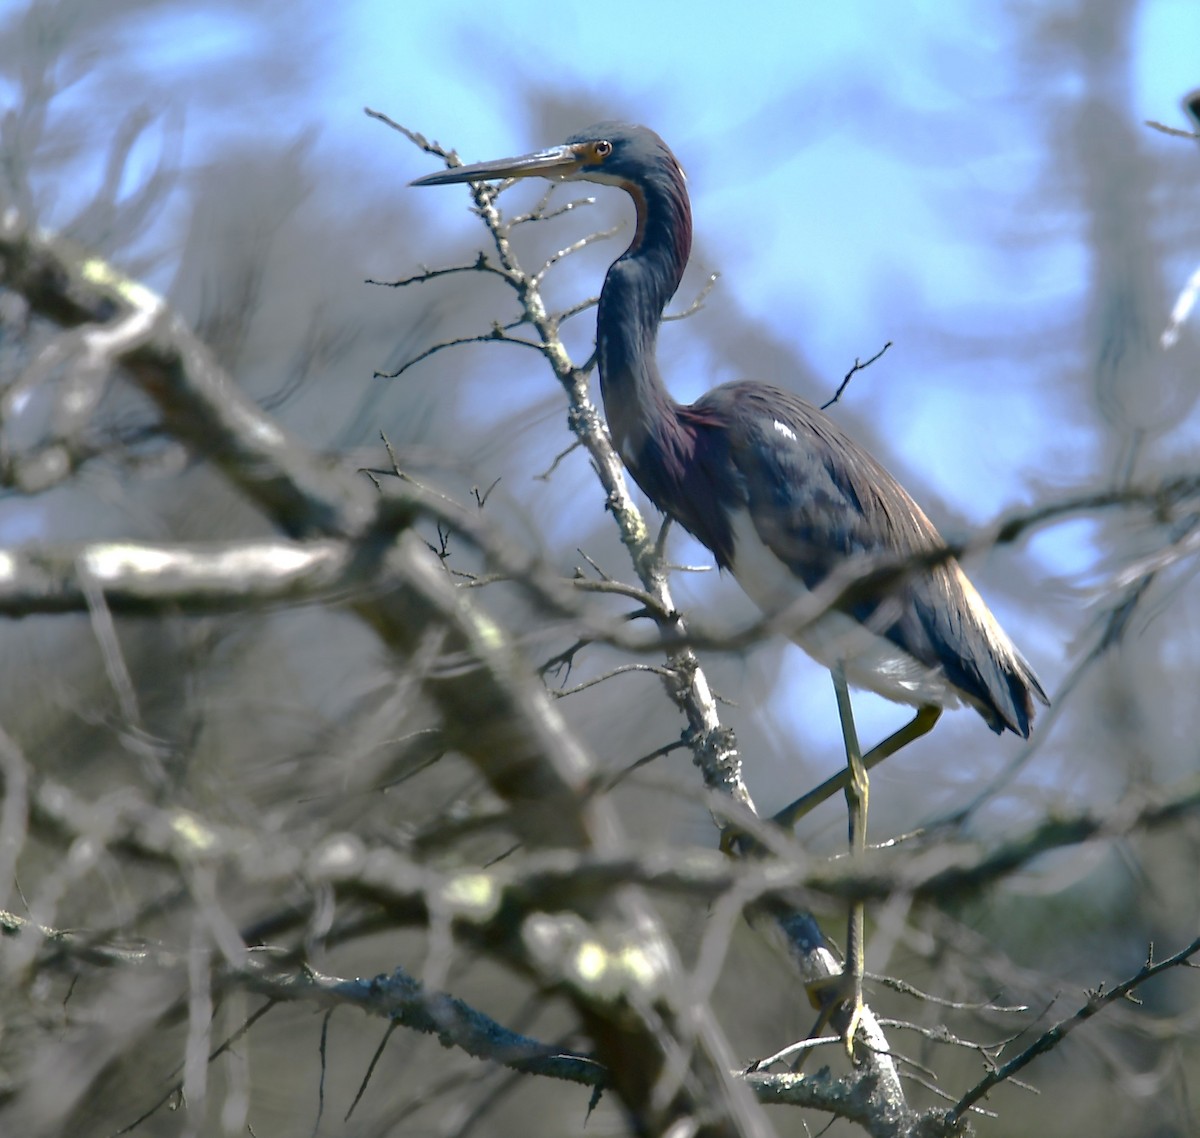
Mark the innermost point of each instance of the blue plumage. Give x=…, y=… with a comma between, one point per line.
x=778, y=492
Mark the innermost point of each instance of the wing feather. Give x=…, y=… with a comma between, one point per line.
x=817, y=498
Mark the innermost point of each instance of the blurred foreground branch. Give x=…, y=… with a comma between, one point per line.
x=492, y=710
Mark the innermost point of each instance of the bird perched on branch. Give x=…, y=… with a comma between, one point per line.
x=779, y=493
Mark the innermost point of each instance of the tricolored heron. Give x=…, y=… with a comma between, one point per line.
x=779, y=493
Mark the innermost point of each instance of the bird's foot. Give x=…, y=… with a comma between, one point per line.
x=737, y=843
x=839, y=1001
x=852, y=1009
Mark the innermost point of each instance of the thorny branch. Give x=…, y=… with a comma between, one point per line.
x=410, y=893
x=539, y=769
x=154, y=836
x=212, y=577
x=399, y=998
x=402, y=1000
x=693, y=693
x=1050, y=1039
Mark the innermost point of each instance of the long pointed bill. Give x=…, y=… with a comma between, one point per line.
x=557, y=162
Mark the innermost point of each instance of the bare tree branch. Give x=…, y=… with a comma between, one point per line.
x=1050, y=1039
x=528, y=755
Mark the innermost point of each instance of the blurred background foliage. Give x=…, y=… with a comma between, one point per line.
x=978, y=189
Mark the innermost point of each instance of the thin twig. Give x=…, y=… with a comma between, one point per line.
x=545, y=474
x=858, y=366
x=698, y=303
x=594, y=564
x=541, y=213
x=574, y=247
x=574, y=310
x=564, y=659
x=419, y=140
x=177, y=1087
x=649, y=602
x=366, y=1079
x=791, y=1051
x=1173, y=131
x=479, y=265
x=620, y=670
x=481, y=498
x=614, y=780
x=1051, y=1038
x=907, y=989
x=497, y=335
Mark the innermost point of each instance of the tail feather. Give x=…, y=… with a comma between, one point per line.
x=995, y=678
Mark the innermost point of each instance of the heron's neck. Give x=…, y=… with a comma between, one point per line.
x=638, y=286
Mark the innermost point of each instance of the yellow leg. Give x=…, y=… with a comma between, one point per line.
x=921, y=724
x=857, y=797
x=853, y=780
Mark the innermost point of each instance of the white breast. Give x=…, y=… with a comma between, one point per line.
x=867, y=659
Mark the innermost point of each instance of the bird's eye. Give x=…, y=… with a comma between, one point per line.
x=602, y=149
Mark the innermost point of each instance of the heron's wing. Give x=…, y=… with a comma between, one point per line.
x=817, y=499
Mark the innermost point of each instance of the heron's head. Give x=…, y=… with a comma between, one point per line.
x=612, y=153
